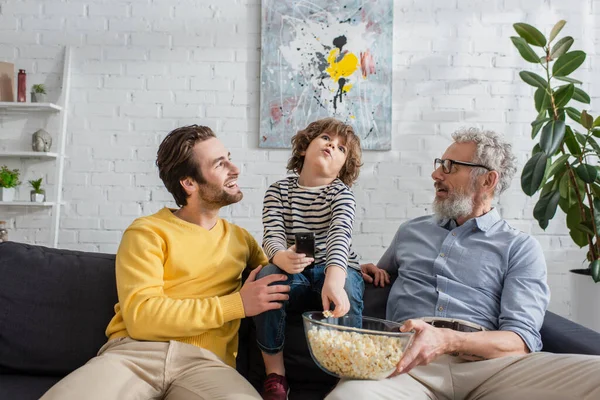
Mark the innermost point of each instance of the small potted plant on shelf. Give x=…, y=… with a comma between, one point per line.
x=9, y=179
x=38, y=194
x=38, y=93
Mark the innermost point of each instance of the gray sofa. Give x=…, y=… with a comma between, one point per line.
x=55, y=305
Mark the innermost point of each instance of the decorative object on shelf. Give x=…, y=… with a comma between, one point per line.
x=38, y=194
x=326, y=59
x=22, y=86
x=7, y=81
x=41, y=141
x=3, y=232
x=9, y=179
x=38, y=93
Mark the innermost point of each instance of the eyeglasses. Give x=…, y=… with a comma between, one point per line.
x=447, y=165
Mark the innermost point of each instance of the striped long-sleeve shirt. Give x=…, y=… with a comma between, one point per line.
x=327, y=211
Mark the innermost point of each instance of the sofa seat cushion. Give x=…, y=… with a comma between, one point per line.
x=25, y=387
x=54, y=307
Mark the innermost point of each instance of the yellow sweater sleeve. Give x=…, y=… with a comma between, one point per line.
x=148, y=313
x=257, y=255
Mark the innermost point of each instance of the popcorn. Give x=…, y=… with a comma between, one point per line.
x=355, y=355
x=327, y=313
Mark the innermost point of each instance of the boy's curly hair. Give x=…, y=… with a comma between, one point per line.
x=301, y=140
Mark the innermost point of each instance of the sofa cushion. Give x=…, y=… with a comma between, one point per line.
x=25, y=387
x=54, y=307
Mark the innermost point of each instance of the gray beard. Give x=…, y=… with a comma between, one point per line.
x=454, y=207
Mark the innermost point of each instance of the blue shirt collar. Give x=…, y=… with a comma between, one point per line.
x=484, y=222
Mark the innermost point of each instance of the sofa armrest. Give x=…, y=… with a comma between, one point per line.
x=560, y=335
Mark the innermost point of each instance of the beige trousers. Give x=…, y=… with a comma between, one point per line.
x=536, y=376
x=129, y=369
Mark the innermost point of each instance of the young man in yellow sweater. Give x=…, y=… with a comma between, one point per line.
x=179, y=282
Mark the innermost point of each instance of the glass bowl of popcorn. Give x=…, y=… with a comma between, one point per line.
x=343, y=350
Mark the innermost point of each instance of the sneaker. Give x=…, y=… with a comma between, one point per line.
x=275, y=388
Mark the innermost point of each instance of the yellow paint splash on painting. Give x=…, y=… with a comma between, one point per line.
x=343, y=68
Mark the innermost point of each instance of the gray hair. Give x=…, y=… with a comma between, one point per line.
x=492, y=151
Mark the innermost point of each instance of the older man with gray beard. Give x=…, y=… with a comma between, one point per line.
x=474, y=290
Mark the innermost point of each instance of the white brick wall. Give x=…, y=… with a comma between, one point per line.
x=141, y=69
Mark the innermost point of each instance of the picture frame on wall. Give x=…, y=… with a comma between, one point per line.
x=326, y=58
x=7, y=81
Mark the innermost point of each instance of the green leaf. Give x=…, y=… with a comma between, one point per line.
x=596, y=122
x=587, y=173
x=525, y=50
x=537, y=125
x=563, y=94
x=586, y=227
x=595, y=270
x=545, y=209
x=581, y=96
x=561, y=47
x=581, y=138
x=552, y=136
x=597, y=212
x=533, y=79
x=542, y=99
x=594, y=144
x=586, y=120
x=556, y=29
x=530, y=34
x=571, y=142
x=596, y=192
x=573, y=221
x=568, y=63
x=557, y=166
x=568, y=79
x=533, y=173
x=564, y=186
x=574, y=114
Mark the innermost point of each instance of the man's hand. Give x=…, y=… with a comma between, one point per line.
x=428, y=344
x=290, y=261
x=258, y=296
x=333, y=292
x=372, y=274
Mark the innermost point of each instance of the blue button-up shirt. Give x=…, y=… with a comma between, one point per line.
x=483, y=271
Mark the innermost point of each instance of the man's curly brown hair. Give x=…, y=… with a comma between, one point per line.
x=301, y=140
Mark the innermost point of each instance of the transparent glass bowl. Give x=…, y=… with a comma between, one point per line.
x=344, y=351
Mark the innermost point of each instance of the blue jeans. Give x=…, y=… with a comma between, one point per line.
x=270, y=325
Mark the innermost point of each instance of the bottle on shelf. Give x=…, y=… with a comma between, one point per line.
x=3, y=232
x=22, y=86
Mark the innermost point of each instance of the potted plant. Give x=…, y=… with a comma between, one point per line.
x=38, y=93
x=9, y=179
x=37, y=194
x=563, y=165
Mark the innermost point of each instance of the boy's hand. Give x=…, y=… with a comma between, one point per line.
x=333, y=292
x=372, y=274
x=290, y=261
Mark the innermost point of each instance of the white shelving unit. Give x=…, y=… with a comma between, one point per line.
x=22, y=110
x=28, y=107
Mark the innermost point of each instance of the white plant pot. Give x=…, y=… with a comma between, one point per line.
x=7, y=194
x=585, y=298
x=37, y=197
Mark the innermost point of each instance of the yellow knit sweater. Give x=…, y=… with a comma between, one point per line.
x=179, y=281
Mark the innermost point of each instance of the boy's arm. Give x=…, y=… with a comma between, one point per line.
x=339, y=235
x=274, y=232
x=148, y=313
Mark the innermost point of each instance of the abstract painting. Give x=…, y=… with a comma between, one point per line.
x=326, y=58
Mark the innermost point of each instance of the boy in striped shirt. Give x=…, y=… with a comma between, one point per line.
x=326, y=158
